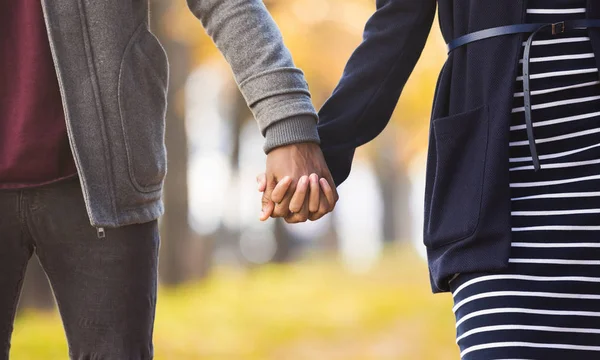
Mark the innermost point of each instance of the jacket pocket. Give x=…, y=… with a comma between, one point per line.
x=456, y=168
x=143, y=84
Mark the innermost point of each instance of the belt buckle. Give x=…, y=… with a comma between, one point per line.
x=558, y=28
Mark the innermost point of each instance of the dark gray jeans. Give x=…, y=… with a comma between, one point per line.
x=105, y=288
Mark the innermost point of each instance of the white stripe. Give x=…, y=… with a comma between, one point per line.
x=559, y=165
x=524, y=277
x=555, y=212
x=555, y=245
x=559, y=73
x=528, y=344
x=557, y=121
x=554, y=182
x=557, y=138
x=560, y=58
x=559, y=196
x=555, y=155
x=527, y=327
x=559, y=41
x=554, y=261
x=556, y=11
x=557, y=103
x=540, y=294
x=548, y=91
x=526, y=311
x=558, y=228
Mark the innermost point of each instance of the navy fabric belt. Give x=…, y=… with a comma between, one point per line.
x=534, y=29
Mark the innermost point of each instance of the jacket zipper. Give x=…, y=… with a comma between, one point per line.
x=100, y=231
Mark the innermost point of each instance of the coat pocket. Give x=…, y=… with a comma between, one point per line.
x=456, y=169
x=143, y=84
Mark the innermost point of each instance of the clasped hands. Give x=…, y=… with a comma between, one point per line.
x=297, y=184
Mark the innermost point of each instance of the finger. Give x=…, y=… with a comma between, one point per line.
x=334, y=188
x=315, y=194
x=323, y=208
x=300, y=195
x=329, y=194
x=267, y=204
x=282, y=208
x=261, y=180
x=304, y=212
x=299, y=217
x=281, y=189
x=267, y=210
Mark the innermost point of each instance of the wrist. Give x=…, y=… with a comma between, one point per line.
x=293, y=130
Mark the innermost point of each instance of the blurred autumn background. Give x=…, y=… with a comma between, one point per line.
x=352, y=286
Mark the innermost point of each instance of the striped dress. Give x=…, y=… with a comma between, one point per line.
x=547, y=304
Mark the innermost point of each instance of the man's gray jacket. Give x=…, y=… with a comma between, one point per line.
x=113, y=75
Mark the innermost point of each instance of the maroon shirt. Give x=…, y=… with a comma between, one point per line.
x=34, y=148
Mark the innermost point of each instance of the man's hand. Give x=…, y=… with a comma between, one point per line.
x=297, y=184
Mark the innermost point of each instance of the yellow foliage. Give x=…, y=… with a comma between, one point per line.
x=310, y=310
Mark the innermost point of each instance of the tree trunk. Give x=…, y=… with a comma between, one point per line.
x=395, y=188
x=175, y=230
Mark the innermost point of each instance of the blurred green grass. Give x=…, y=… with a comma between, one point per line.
x=309, y=310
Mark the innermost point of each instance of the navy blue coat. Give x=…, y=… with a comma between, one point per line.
x=467, y=198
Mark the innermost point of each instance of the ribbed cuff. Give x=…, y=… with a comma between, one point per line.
x=294, y=130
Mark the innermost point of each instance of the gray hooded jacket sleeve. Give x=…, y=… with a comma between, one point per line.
x=274, y=89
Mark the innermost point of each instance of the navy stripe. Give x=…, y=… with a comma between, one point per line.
x=546, y=305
